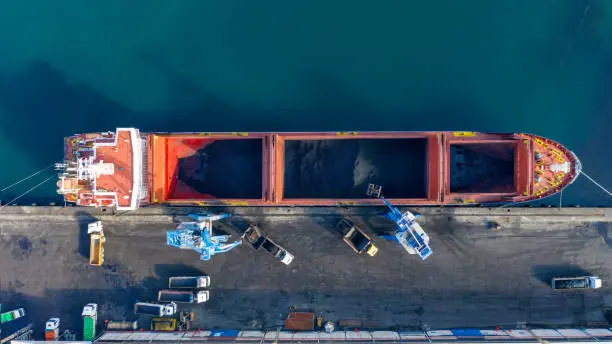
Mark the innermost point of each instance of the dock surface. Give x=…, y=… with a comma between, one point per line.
x=475, y=278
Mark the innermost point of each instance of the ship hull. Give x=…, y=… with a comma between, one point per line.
x=330, y=168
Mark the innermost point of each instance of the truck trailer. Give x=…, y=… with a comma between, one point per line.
x=96, y=243
x=182, y=296
x=185, y=282
x=584, y=282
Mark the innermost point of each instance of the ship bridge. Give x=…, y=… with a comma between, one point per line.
x=104, y=169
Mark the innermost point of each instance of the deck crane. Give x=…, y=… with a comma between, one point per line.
x=197, y=235
x=409, y=233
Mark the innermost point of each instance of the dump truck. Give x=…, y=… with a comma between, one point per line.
x=355, y=238
x=12, y=315
x=163, y=324
x=584, y=282
x=258, y=240
x=96, y=241
x=155, y=309
x=182, y=296
x=185, y=282
x=52, y=329
x=90, y=320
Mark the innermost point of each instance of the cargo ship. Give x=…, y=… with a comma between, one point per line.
x=127, y=169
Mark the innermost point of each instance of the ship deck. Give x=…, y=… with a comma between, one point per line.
x=105, y=169
x=120, y=183
x=327, y=168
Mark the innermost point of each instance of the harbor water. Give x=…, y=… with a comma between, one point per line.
x=543, y=67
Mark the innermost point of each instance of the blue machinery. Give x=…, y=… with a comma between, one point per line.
x=198, y=236
x=409, y=233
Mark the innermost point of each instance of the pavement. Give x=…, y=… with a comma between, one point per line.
x=475, y=277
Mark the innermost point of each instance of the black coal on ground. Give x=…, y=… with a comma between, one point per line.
x=343, y=168
x=225, y=169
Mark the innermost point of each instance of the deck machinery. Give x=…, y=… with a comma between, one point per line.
x=409, y=233
x=197, y=235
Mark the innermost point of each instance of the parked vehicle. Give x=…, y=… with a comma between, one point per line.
x=584, y=282
x=182, y=296
x=96, y=241
x=90, y=320
x=155, y=309
x=52, y=329
x=163, y=324
x=257, y=239
x=185, y=282
x=12, y=315
x=355, y=238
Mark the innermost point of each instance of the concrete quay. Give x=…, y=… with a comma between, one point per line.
x=475, y=277
x=513, y=215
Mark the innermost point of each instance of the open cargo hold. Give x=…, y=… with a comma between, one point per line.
x=126, y=169
x=342, y=169
x=211, y=168
x=482, y=168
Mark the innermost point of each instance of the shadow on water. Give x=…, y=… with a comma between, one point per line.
x=544, y=273
x=84, y=219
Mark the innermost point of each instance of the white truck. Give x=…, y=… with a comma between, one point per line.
x=186, y=282
x=182, y=296
x=155, y=309
x=257, y=239
x=584, y=282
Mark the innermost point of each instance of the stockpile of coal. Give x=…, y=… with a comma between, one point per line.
x=343, y=168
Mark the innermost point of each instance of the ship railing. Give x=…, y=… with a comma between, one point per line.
x=145, y=169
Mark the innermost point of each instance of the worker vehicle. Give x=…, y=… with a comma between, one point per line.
x=182, y=296
x=52, y=329
x=355, y=238
x=163, y=324
x=96, y=241
x=90, y=320
x=585, y=282
x=195, y=282
x=12, y=315
x=155, y=309
x=122, y=325
x=257, y=239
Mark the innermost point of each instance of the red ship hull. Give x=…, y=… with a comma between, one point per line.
x=129, y=168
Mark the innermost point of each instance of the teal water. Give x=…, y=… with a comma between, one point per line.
x=542, y=66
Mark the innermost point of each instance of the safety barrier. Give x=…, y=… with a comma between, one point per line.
x=439, y=336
